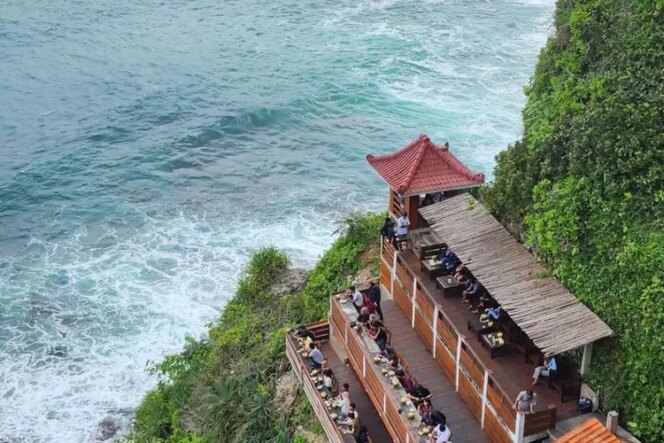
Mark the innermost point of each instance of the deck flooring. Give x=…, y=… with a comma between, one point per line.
x=464, y=427
x=511, y=371
x=368, y=415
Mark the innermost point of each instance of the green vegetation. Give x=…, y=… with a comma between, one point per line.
x=585, y=187
x=222, y=389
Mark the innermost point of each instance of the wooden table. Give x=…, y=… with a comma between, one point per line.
x=432, y=268
x=449, y=286
x=495, y=351
x=476, y=325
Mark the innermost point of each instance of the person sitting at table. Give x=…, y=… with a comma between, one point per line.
x=405, y=379
x=394, y=364
x=353, y=421
x=419, y=394
x=425, y=410
x=328, y=380
x=305, y=336
x=363, y=435
x=441, y=433
x=448, y=259
x=471, y=291
x=316, y=356
x=364, y=316
x=494, y=313
x=525, y=402
x=344, y=398
x=461, y=274
x=550, y=367
x=378, y=334
x=389, y=352
x=373, y=318
x=356, y=297
x=368, y=303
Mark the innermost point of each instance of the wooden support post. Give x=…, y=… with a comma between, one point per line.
x=412, y=319
x=364, y=366
x=458, y=362
x=384, y=403
x=346, y=334
x=519, y=426
x=484, y=388
x=585, y=360
x=434, y=331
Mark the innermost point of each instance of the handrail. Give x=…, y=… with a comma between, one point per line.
x=332, y=432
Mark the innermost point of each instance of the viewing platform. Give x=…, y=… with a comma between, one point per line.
x=445, y=247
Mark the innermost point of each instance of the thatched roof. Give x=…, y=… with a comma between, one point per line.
x=552, y=317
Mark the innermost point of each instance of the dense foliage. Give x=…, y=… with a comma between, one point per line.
x=585, y=187
x=222, y=389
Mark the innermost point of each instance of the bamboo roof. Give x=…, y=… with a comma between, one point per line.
x=547, y=312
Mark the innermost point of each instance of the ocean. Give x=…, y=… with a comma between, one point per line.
x=147, y=148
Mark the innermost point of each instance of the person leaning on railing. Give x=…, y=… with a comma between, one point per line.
x=378, y=334
x=356, y=297
x=406, y=380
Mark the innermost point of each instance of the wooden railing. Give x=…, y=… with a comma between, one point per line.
x=381, y=395
x=473, y=380
x=317, y=403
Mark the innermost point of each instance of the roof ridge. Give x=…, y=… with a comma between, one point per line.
x=424, y=142
x=445, y=154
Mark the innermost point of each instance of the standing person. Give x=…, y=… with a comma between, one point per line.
x=402, y=227
x=387, y=231
x=525, y=401
x=374, y=295
x=550, y=367
x=357, y=298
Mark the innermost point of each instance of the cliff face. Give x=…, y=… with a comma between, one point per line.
x=231, y=386
x=585, y=186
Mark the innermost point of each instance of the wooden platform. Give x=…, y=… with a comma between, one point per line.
x=464, y=426
x=368, y=415
x=511, y=371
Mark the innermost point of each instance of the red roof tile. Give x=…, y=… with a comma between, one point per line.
x=424, y=167
x=590, y=431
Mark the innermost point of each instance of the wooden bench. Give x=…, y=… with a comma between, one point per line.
x=566, y=380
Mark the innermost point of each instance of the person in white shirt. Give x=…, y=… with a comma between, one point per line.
x=402, y=226
x=441, y=434
x=357, y=298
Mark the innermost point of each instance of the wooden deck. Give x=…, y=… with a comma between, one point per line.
x=462, y=423
x=510, y=371
x=368, y=415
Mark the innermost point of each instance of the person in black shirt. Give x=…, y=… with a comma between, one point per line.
x=374, y=295
x=377, y=332
x=419, y=394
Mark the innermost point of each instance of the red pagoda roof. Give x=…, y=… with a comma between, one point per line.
x=424, y=167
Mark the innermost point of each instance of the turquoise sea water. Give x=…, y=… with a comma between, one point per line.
x=148, y=147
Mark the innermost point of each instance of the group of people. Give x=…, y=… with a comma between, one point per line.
x=420, y=396
x=370, y=317
x=398, y=233
x=348, y=416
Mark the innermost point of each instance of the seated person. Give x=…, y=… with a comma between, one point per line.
x=363, y=318
x=425, y=410
x=461, y=274
x=448, y=259
x=441, y=433
x=525, y=401
x=344, y=397
x=394, y=364
x=305, y=336
x=368, y=303
x=471, y=291
x=329, y=381
x=316, y=356
x=493, y=314
x=405, y=379
x=373, y=318
x=378, y=334
x=389, y=352
x=419, y=394
x=356, y=297
x=550, y=367
x=363, y=435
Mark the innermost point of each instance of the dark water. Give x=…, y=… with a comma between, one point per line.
x=148, y=147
